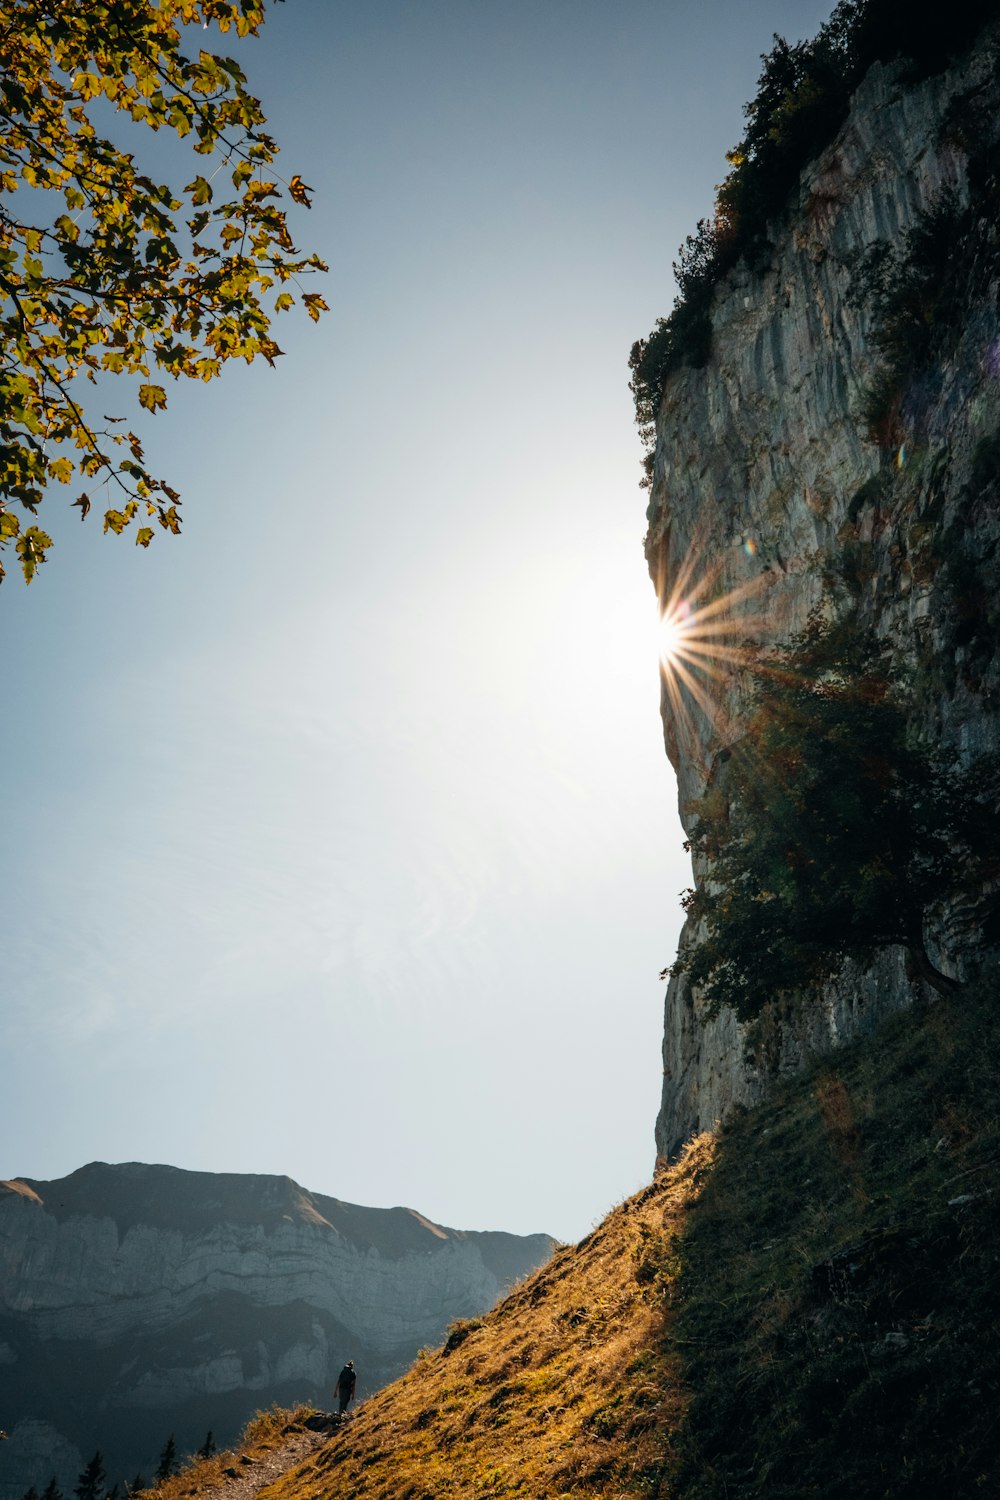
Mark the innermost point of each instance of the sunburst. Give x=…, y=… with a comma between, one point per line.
x=707, y=635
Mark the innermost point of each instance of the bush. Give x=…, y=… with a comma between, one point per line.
x=459, y=1331
x=802, y=100
x=831, y=831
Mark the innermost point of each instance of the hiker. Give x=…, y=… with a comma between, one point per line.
x=344, y=1389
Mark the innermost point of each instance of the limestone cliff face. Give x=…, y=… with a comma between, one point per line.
x=761, y=459
x=139, y=1300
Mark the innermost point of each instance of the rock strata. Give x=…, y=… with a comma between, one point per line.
x=761, y=463
x=136, y=1301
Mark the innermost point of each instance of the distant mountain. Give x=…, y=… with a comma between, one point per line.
x=138, y=1301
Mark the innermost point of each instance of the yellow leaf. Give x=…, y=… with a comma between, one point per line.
x=299, y=191
x=200, y=190
x=314, y=305
x=152, y=397
x=87, y=85
x=31, y=549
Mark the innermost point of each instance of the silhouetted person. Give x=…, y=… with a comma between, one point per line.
x=344, y=1389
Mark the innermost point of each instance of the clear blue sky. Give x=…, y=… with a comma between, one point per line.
x=338, y=835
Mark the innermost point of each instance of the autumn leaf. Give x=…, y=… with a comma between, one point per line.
x=314, y=305
x=31, y=549
x=134, y=287
x=299, y=191
x=200, y=190
x=152, y=397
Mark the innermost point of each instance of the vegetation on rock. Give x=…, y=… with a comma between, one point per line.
x=919, y=290
x=830, y=831
x=802, y=100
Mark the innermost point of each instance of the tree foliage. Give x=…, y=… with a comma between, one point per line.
x=830, y=832
x=90, y=1485
x=169, y=1462
x=106, y=271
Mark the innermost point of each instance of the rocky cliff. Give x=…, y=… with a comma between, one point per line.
x=136, y=1301
x=771, y=467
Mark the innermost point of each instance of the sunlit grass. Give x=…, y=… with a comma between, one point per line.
x=808, y=1303
x=566, y=1388
x=265, y=1432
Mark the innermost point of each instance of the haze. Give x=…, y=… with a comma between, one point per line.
x=340, y=841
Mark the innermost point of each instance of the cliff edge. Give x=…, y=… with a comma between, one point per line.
x=794, y=450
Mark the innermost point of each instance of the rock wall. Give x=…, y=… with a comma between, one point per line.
x=760, y=467
x=136, y=1301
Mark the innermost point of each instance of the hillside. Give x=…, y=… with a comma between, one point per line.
x=140, y=1300
x=807, y=1304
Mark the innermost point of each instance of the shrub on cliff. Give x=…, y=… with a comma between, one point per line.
x=802, y=100
x=830, y=832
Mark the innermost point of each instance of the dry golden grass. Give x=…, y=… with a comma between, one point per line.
x=265, y=1433
x=566, y=1387
x=808, y=1304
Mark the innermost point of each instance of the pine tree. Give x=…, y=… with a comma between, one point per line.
x=90, y=1485
x=208, y=1446
x=168, y=1460
x=30, y=1494
x=52, y=1490
x=140, y=1482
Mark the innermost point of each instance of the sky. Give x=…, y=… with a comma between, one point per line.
x=339, y=840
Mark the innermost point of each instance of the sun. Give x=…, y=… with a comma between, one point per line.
x=673, y=632
x=708, y=632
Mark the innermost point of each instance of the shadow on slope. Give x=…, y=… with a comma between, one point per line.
x=806, y=1305
x=839, y=1298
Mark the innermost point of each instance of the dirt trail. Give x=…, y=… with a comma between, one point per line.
x=245, y=1477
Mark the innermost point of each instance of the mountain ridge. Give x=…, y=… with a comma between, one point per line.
x=169, y=1193
x=137, y=1299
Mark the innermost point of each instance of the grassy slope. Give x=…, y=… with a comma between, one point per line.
x=807, y=1305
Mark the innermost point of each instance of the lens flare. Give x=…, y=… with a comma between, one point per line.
x=708, y=633
x=673, y=628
